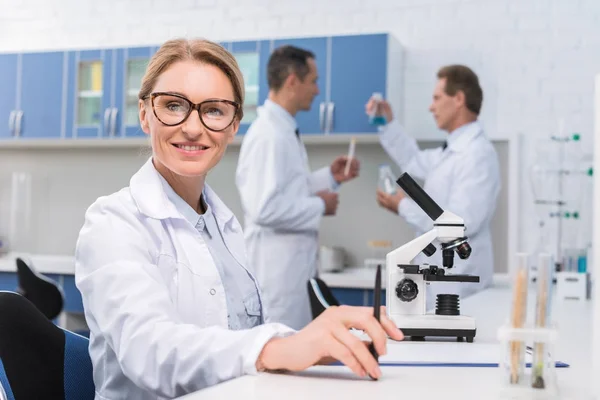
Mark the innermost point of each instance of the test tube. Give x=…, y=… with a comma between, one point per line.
x=518, y=317
x=542, y=317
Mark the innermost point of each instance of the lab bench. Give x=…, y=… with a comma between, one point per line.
x=490, y=308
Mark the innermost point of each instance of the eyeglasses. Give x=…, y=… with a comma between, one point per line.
x=173, y=109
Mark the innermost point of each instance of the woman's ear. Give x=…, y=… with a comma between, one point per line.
x=145, y=124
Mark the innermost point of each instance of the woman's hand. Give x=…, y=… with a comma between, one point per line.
x=328, y=338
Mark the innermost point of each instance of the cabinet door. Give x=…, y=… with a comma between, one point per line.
x=351, y=297
x=309, y=122
x=92, y=82
x=358, y=69
x=43, y=92
x=247, y=55
x=8, y=281
x=265, y=47
x=8, y=93
x=131, y=67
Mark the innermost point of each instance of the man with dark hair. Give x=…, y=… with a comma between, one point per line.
x=462, y=176
x=283, y=202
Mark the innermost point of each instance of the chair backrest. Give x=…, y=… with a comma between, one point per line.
x=41, y=360
x=78, y=380
x=42, y=291
x=320, y=296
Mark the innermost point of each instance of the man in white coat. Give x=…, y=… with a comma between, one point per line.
x=462, y=176
x=283, y=202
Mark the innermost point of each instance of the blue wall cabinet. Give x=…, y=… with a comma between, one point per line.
x=91, y=111
x=131, y=67
x=94, y=93
x=8, y=94
x=313, y=120
x=358, y=69
x=43, y=95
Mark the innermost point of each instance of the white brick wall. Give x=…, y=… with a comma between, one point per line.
x=536, y=58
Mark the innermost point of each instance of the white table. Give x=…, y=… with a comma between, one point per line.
x=490, y=308
x=44, y=264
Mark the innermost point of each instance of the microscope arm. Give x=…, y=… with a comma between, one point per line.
x=405, y=254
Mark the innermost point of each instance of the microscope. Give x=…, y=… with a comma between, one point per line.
x=407, y=283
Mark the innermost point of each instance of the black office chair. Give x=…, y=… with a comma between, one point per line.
x=39, y=360
x=320, y=296
x=42, y=291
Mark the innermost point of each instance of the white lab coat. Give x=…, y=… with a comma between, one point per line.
x=282, y=213
x=465, y=180
x=153, y=296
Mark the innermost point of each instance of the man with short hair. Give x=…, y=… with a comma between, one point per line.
x=462, y=176
x=283, y=202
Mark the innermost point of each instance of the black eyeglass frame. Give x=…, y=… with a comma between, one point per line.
x=193, y=107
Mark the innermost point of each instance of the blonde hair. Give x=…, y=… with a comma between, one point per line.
x=200, y=50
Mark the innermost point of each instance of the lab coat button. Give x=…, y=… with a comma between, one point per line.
x=213, y=292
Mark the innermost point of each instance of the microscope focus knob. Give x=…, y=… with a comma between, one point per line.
x=407, y=290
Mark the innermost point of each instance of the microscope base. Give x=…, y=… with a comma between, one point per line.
x=430, y=325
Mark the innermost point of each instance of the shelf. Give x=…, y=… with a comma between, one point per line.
x=118, y=142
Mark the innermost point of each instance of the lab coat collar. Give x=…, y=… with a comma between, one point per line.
x=185, y=209
x=459, y=139
x=152, y=200
x=281, y=113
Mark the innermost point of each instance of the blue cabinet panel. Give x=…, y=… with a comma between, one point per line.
x=71, y=87
x=8, y=281
x=352, y=297
x=370, y=296
x=247, y=55
x=265, y=47
x=309, y=121
x=73, y=302
x=42, y=94
x=244, y=47
x=8, y=92
x=358, y=68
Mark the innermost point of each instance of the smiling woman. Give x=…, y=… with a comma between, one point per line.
x=171, y=303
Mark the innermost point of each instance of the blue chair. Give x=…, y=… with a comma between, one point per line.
x=39, y=360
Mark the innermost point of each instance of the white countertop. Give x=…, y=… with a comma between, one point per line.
x=490, y=309
x=364, y=278
x=45, y=264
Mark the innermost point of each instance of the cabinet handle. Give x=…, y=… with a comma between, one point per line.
x=11, y=122
x=113, y=122
x=330, y=110
x=18, y=119
x=322, y=116
x=107, y=121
